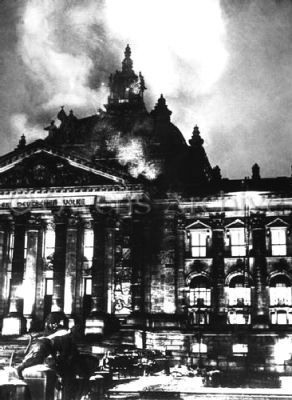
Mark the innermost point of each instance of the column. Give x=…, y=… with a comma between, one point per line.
x=218, y=298
x=180, y=264
x=14, y=323
x=260, y=317
x=111, y=229
x=164, y=291
x=4, y=258
x=138, y=260
x=95, y=324
x=31, y=265
x=71, y=259
x=98, y=265
x=59, y=261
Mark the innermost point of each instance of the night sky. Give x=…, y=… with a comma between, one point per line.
x=224, y=65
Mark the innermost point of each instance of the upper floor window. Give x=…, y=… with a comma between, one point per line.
x=279, y=241
x=238, y=244
x=198, y=243
x=88, y=246
x=200, y=292
x=198, y=234
x=280, y=291
x=238, y=292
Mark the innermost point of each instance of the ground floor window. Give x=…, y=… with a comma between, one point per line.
x=238, y=317
x=281, y=317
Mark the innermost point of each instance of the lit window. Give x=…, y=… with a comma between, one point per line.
x=25, y=245
x=88, y=286
x=278, y=241
x=50, y=238
x=238, y=293
x=200, y=292
x=49, y=287
x=88, y=246
x=280, y=291
x=238, y=317
x=240, y=349
x=238, y=245
x=199, y=243
x=199, y=348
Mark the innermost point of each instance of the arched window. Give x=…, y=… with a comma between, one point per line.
x=200, y=291
x=238, y=293
x=280, y=291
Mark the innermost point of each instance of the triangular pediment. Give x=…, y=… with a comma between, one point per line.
x=43, y=166
x=238, y=223
x=277, y=223
x=198, y=225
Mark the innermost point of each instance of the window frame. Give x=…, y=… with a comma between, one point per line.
x=278, y=245
x=201, y=247
x=241, y=245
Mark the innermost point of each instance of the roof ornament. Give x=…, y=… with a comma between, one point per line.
x=51, y=129
x=256, y=172
x=21, y=143
x=61, y=114
x=161, y=110
x=196, y=139
x=127, y=64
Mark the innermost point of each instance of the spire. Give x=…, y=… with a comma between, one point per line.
x=127, y=62
x=196, y=139
x=161, y=110
x=126, y=87
x=256, y=172
x=62, y=115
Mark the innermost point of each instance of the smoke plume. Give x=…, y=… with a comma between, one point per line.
x=225, y=66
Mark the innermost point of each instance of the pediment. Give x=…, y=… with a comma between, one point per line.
x=277, y=223
x=238, y=223
x=198, y=225
x=45, y=168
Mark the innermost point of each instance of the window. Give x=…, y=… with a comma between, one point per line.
x=49, y=287
x=88, y=286
x=88, y=247
x=198, y=243
x=199, y=347
x=280, y=291
x=240, y=349
x=49, y=243
x=238, y=245
x=238, y=293
x=200, y=292
x=238, y=317
x=278, y=241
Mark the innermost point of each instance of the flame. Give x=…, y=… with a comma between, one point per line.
x=130, y=152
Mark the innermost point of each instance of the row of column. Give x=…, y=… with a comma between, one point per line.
x=25, y=255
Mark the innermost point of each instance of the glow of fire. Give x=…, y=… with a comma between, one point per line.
x=130, y=152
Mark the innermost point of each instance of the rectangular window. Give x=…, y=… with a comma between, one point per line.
x=238, y=317
x=199, y=243
x=88, y=246
x=280, y=295
x=88, y=286
x=278, y=241
x=200, y=297
x=239, y=296
x=240, y=349
x=49, y=287
x=238, y=245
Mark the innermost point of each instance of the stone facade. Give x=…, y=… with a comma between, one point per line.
x=185, y=260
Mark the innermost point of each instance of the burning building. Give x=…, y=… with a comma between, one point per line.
x=115, y=217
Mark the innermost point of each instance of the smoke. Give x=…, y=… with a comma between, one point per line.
x=21, y=126
x=225, y=66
